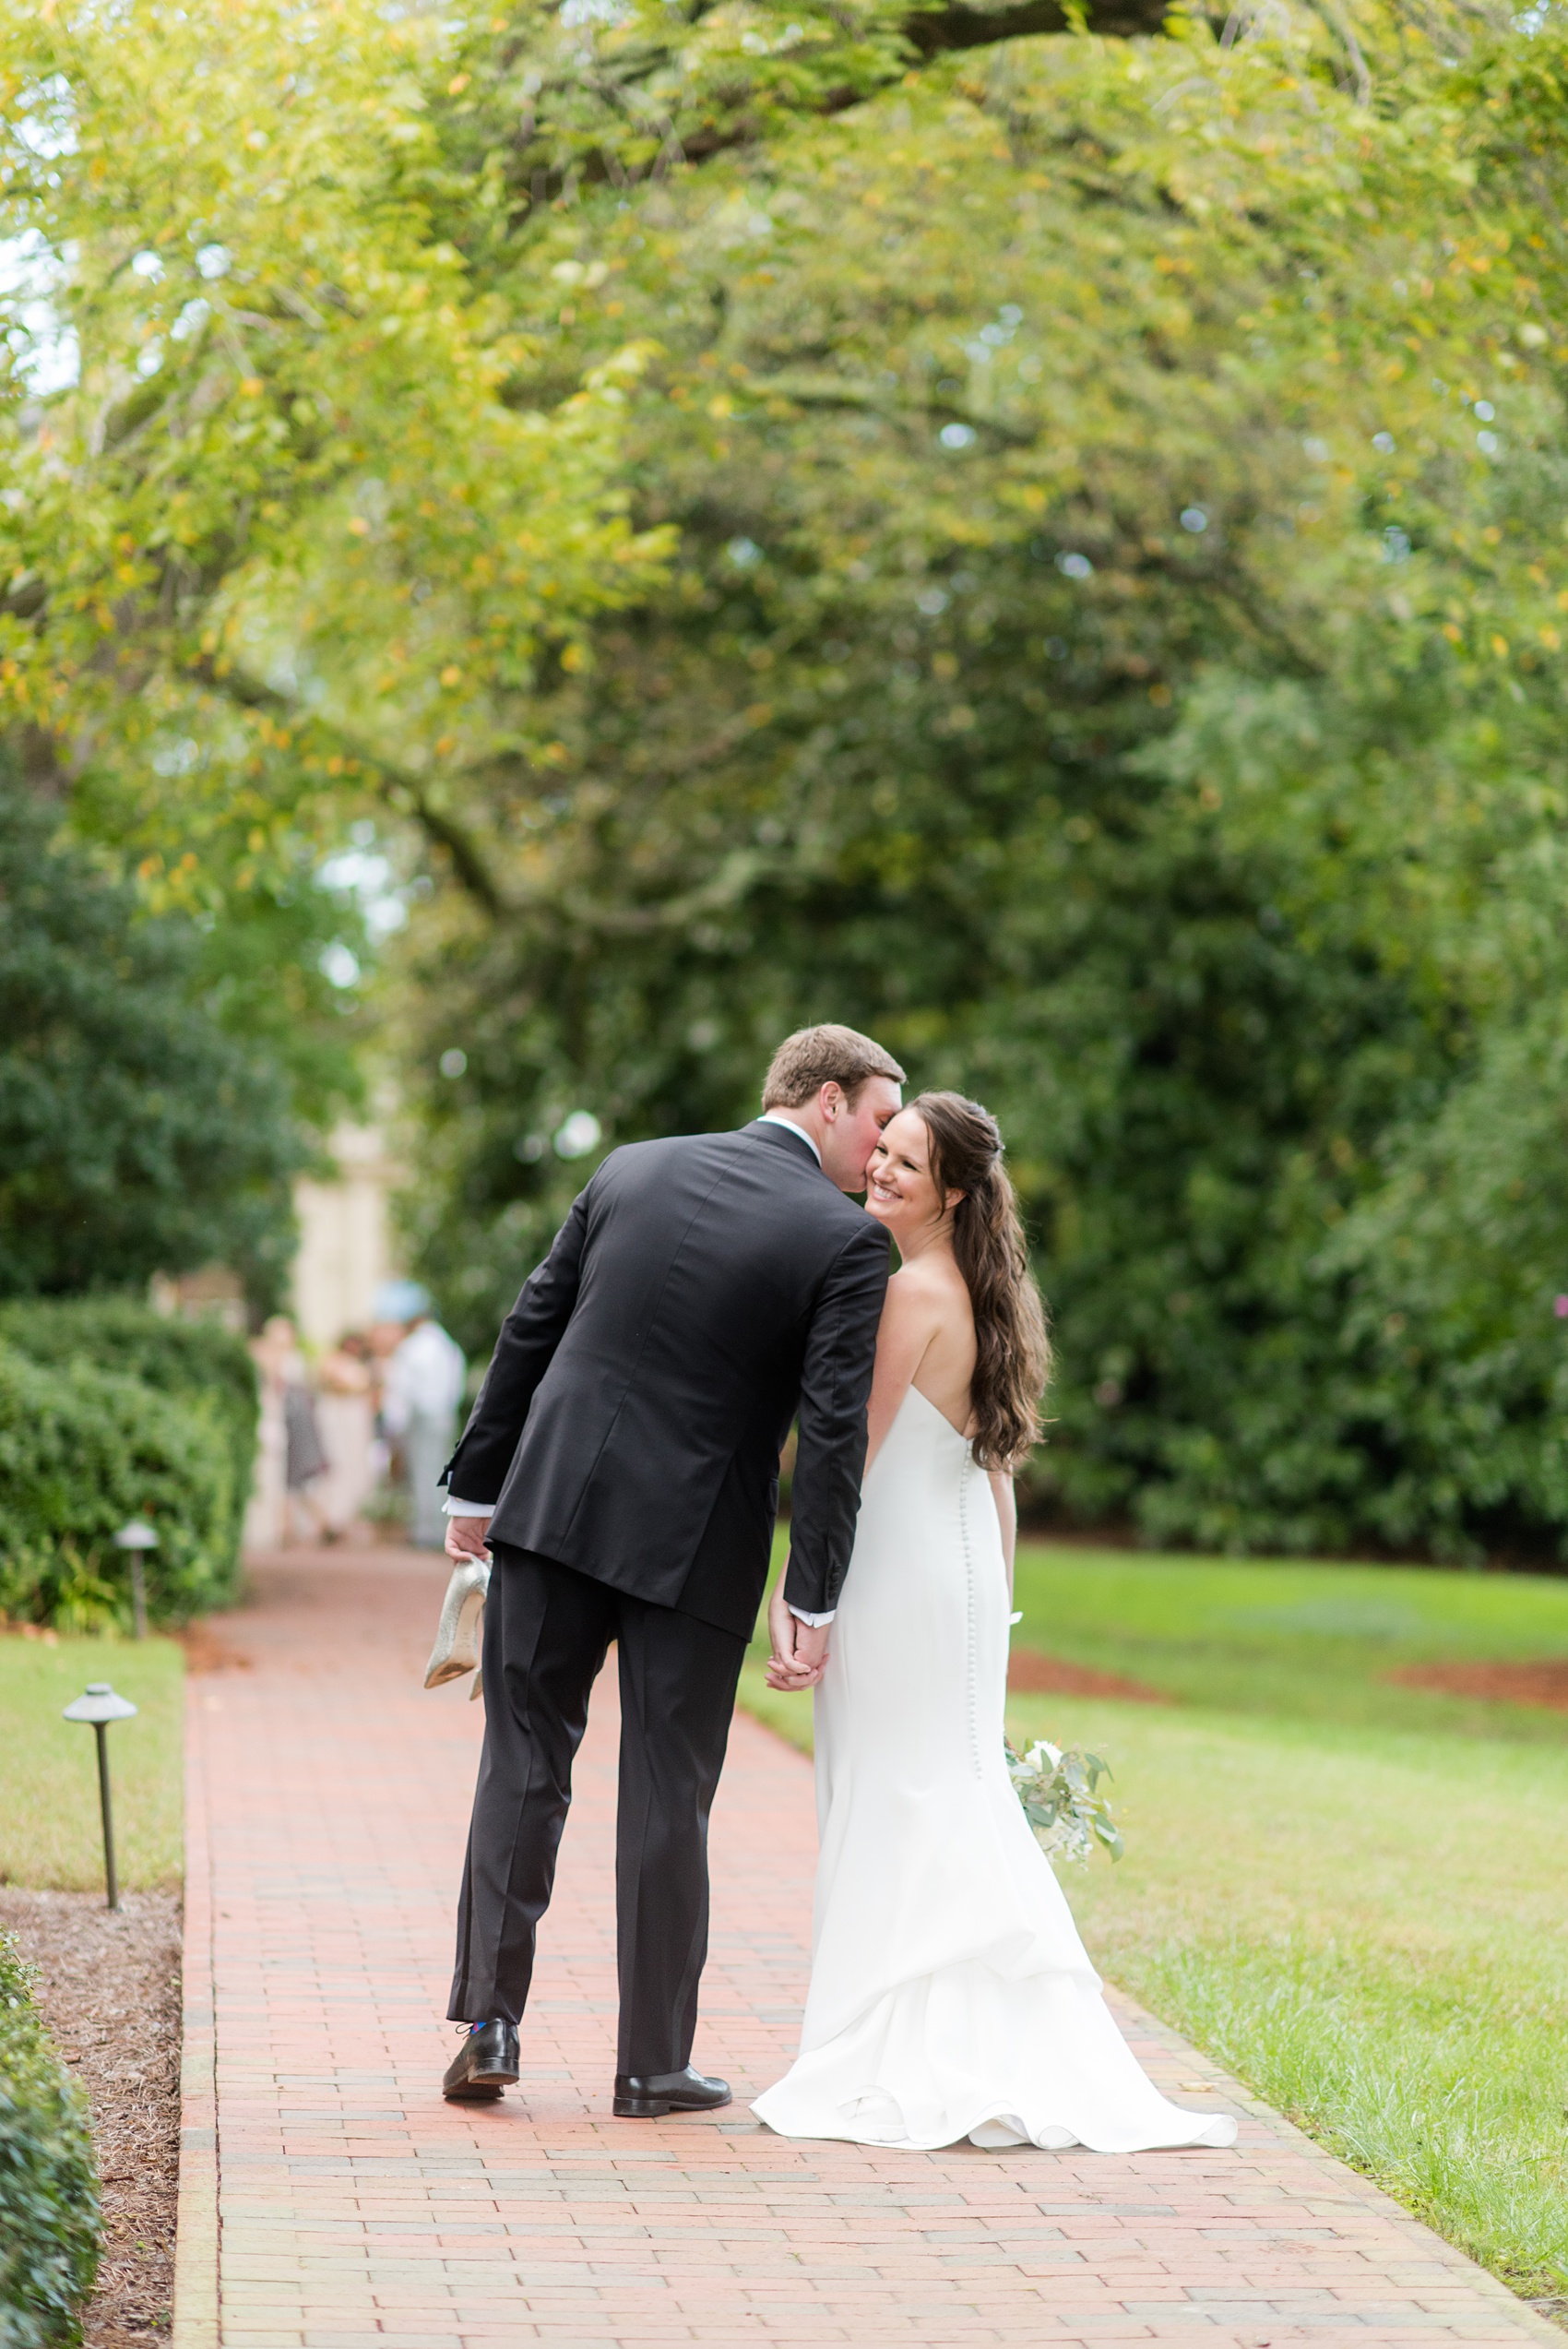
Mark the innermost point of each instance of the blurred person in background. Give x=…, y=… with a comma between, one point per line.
x=286, y=1390
x=346, y=1416
x=270, y=1351
x=423, y=1386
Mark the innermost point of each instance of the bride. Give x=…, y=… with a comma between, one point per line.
x=950, y=1995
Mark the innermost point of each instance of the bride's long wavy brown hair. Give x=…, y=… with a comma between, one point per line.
x=1013, y=1349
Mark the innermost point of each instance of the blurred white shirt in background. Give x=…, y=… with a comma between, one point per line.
x=424, y=1379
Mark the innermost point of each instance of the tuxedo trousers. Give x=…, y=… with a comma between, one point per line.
x=547, y=1629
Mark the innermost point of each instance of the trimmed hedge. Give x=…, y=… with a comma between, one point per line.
x=49, y=2209
x=80, y=1452
x=122, y=1335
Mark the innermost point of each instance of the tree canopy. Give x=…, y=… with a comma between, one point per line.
x=1045, y=544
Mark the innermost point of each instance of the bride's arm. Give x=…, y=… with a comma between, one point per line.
x=1007, y=1510
x=908, y=1325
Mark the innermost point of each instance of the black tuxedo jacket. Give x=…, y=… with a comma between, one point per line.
x=702, y=1293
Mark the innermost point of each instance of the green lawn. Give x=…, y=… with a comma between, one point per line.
x=1354, y=1896
x=50, y=1833
x=1308, y=1642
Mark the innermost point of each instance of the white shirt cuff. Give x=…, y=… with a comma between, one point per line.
x=815, y=1622
x=455, y=1507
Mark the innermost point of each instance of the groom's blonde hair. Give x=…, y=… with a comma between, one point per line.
x=813, y=1057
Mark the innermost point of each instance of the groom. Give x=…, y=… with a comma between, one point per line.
x=622, y=1464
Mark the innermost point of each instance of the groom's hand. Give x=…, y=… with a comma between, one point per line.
x=467, y=1538
x=800, y=1649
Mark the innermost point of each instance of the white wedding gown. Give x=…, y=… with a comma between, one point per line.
x=950, y=1995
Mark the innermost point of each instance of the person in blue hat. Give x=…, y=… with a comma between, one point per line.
x=423, y=1388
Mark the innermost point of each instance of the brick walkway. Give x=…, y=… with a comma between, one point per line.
x=329, y=2197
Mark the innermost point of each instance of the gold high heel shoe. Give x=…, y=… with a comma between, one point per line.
x=457, y=1648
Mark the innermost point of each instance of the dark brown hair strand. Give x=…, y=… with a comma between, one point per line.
x=1013, y=1349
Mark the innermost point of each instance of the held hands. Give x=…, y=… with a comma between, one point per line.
x=467, y=1538
x=800, y=1649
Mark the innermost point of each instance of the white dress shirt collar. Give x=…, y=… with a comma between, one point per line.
x=777, y=1117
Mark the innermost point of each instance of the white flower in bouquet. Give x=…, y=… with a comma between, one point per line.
x=1058, y=1786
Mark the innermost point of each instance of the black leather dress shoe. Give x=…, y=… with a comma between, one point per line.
x=483, y=2065
x=638, y=2098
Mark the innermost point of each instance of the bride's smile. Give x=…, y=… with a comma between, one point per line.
x=900, y=1190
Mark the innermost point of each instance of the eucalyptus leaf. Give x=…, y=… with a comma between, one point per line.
x=1055, y=1786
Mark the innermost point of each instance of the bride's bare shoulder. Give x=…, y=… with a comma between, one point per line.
x=909, y=1298
x=928, y=1290
x=934, y=1270
x=911, y=1282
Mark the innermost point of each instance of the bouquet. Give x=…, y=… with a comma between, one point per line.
x=1058, y=1786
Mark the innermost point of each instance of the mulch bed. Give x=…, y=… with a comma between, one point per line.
x=1031, y=1674
x=1542, y=1685
x=109, y=1989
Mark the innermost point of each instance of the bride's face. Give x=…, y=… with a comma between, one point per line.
x=900, y=1191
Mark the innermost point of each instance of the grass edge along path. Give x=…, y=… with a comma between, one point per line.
x=1361, y=1925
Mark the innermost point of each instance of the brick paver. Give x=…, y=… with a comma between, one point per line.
x=329, y=2197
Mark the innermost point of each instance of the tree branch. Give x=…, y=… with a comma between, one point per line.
x=930, y=31
x=828, y=390
x=564, y=904
x=468, y=860
x=955, y=26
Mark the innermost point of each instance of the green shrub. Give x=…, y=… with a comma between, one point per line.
x=80, y=1452
x=138, y=1132
x=49, y=2213
x=122, y=1335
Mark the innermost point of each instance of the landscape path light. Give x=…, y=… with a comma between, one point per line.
x=101, y=1706
x=138, y=1538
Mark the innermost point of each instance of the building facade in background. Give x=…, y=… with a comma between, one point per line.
x=347, y=1246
